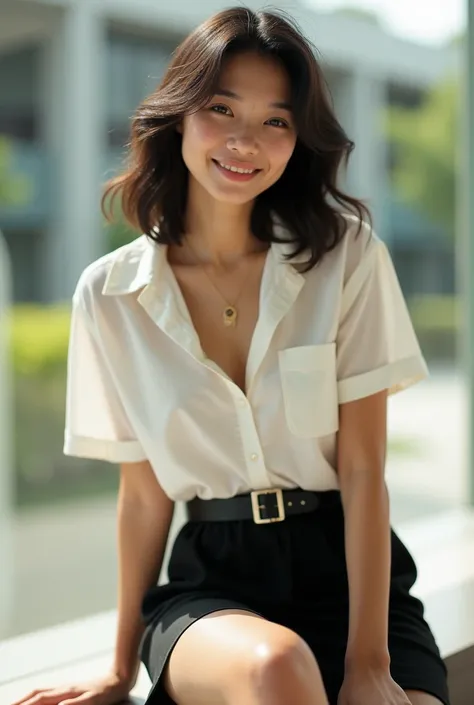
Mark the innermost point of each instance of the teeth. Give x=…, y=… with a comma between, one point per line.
x=236, y=169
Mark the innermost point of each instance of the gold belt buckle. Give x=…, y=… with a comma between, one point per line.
x=257, y=507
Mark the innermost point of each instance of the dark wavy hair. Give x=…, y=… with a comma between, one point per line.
x=305, y=199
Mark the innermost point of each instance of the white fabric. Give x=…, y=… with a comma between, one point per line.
x=140, y=386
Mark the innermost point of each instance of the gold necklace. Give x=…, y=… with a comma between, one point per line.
x=230, y=314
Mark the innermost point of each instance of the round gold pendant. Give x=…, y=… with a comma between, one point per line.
x=230, y=316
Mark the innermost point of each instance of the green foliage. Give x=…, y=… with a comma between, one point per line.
x=40, y=336
x=435, y=312
x=44, y=475
x=15, y=189
x=437, y=321
x=118, y=232
x=424, y=140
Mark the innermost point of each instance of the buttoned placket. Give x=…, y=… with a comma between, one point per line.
x=280, y=287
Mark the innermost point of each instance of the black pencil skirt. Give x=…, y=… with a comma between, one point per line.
x=292, y=573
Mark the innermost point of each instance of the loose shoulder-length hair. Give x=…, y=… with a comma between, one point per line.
x=306, y=199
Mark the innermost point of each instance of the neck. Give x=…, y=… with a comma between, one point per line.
x=219, y=232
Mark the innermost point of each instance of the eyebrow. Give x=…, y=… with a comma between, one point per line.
x=231, y=94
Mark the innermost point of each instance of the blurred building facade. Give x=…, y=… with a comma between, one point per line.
x=72, y=72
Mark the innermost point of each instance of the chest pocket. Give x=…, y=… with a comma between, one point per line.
x=309, y=386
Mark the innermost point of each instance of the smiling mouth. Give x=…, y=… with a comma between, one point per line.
x=235, y=169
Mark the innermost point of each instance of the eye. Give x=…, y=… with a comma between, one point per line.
x=222, y=109
x=277, y=122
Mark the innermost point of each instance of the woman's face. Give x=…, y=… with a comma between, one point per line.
x=247, y=126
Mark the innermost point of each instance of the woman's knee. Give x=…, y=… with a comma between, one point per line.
x=282, y=660
x=241, y=658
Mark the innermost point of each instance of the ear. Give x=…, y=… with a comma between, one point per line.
x=179, y=128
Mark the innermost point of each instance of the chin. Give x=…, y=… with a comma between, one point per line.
x=236, y=199
x=235, y=196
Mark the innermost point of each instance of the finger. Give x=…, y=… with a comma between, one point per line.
x=52, y=697
x=31, y=695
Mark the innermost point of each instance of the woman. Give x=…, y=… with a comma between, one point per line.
x=238, y=357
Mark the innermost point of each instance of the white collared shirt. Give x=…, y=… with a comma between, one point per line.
x=140, y=386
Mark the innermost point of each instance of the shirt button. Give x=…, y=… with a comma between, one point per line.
x=254, y=456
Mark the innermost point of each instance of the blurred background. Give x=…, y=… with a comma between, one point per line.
x=71, y=74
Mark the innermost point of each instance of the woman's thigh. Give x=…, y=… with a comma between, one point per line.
x=417, y=698
x=234, y=656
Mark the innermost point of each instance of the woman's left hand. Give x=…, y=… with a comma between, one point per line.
x=371, y=687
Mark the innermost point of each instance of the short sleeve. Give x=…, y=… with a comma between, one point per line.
x=377, y=347
x=96, y=423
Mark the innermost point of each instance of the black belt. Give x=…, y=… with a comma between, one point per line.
x=261, y=506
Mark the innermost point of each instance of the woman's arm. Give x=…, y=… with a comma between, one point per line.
x=144, y=518
x=361, y=470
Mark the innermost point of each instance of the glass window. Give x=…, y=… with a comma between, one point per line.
x=135, y=66
x=19, y=93
x=25, y=247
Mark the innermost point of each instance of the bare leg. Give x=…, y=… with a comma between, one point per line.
x=233, y=657
x=417, y=698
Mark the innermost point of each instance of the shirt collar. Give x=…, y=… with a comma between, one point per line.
x=133, y=267
x=137, y=264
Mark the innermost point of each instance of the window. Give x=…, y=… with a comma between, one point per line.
x=135, y=66
x=19, y=93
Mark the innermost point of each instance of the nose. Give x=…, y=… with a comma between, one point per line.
x=243, y=142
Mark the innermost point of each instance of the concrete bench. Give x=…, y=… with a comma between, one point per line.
x=443, y=547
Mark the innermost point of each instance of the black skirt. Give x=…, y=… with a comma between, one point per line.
x=292, y=573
